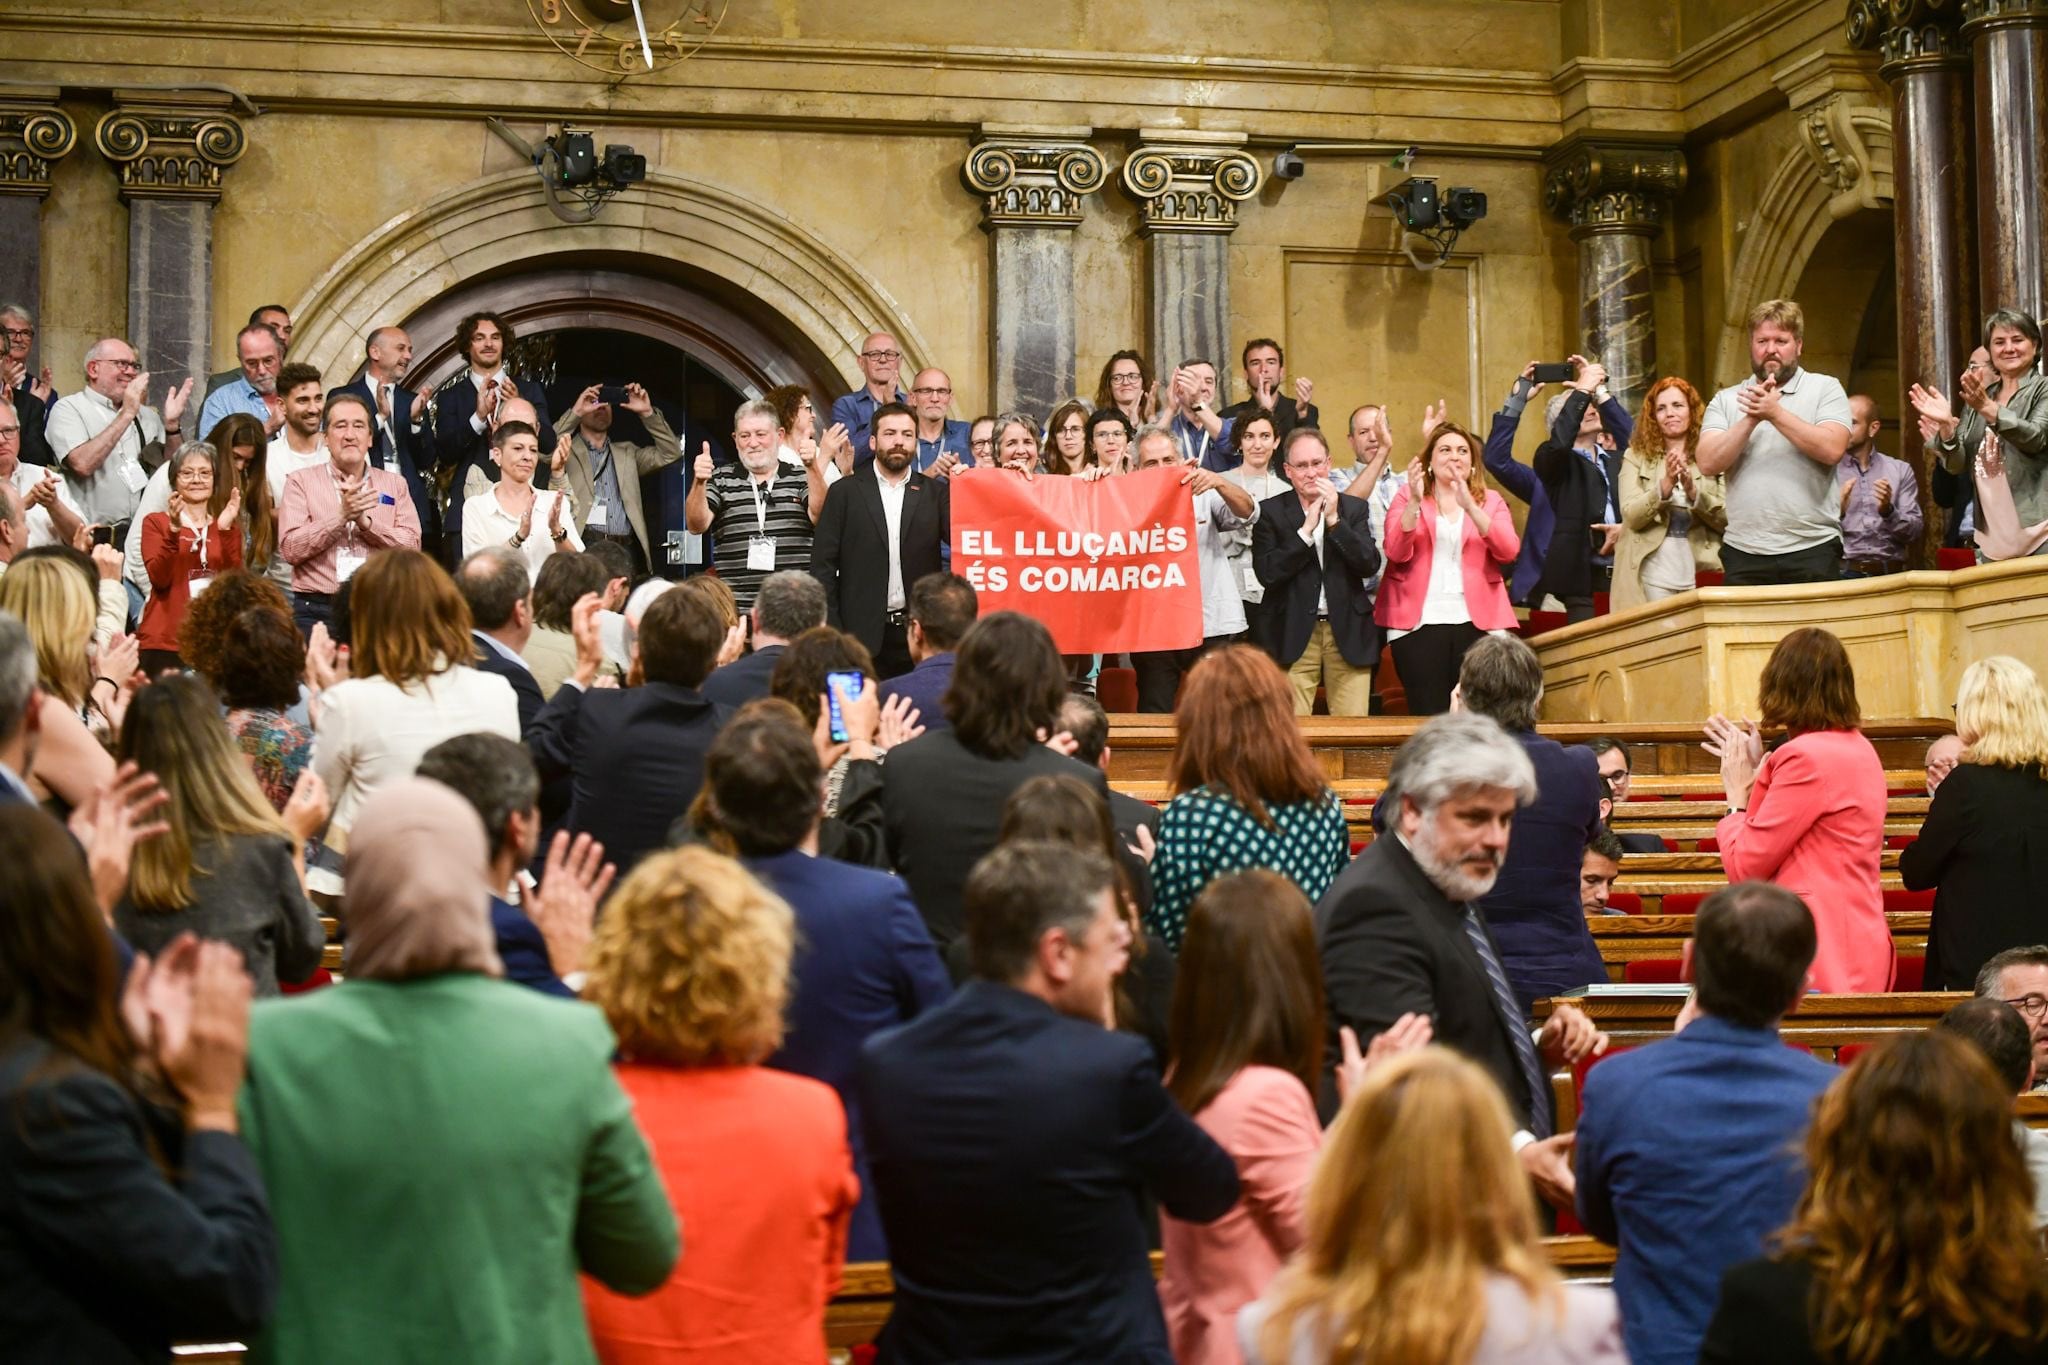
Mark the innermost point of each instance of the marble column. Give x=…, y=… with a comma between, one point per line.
x=34, y=135
x=2009, y=49
x=1188, y=186
x=1614, y=194
x=1035, y=184
x=170, y=150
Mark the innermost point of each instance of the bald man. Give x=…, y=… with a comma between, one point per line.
x=881, y=359
x=938, y=437
x=1881, y=516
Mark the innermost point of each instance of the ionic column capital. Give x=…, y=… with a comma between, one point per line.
x=1033, y=177
x=1190, y=181
x=34, y=135
x=170, y=145
x=1607, y=185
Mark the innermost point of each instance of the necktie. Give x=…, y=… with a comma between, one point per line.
x=390, y=424
x=1517, y=1027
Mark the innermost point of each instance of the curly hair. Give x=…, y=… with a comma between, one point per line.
x=262, y=659
x=690, y=963
x=202, y=634
x=799, y=676
x=1648, y=440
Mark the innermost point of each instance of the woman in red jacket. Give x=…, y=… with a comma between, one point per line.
x=1433, y=607
x=183, y=547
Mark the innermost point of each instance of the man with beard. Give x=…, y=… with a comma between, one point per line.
x=335, y=515
x=278, y=319
x=468, y=413
x=1400, y=933
x=881, y=531
x=401, y=441
x=256, y=391
x=760, y=517
x=604, y=475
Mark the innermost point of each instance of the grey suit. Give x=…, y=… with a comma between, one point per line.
x=631, y=462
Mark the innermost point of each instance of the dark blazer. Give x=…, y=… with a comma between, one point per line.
x=926, y=686
x=1012, y=1148
x=519, y=675
x=1578, y=499
x=745, y=679
x=103, y=1257
x=1763, y=1315
x=458, y=447
x=942, y=805
x=863, y=963
x=1534, y=908
x=524, y=950
x=34, y=414
x=850, y=550
x=1128, y=812
x=1640, y=843
x=635, y=756
x=417, y=454
x=1391, y=943
x=1286, y=566
x=1984, y=848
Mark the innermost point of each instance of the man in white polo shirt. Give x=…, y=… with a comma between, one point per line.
x=1778, y=436
x=106, y=439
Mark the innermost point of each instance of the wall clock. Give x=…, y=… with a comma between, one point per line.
x=627, y=37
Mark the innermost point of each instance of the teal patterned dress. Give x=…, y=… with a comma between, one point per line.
x=1204, y=834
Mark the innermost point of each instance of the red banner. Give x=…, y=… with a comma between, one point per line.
x=1107, y=566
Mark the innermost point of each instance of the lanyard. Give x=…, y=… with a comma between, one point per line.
x=761, y=504
x=599, y=466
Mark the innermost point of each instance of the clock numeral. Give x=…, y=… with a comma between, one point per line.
x=586, y=34
x=551, y=10
x=629, y=56
x=671, y=39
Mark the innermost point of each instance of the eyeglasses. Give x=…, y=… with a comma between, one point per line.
x=933, y=393
x=881, y=355
x=119, y=364
x=18, y=333
x=10, y=431
x=1126, y=378
x=2034, y=1005
x=985, y=443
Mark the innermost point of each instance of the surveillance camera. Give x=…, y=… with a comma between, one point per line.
x=624, y=166
x=1289, y=166
x=1414, y=203
x=1463, y=206
x=575, y=157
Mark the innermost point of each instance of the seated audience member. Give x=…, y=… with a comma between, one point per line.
x=521, y=1159
x=1248, y=1076
x=410, y=685
x=1401, y=930
x=1246, y=790
x=1582, y=475
x=691, y=966
x=1914, y=1240
x=943, y=792
x=131, y=1215
x=760, y=519
x=2019, y=977
x=2000, y=1032
x=1065, y=810
x=790, y=602
x=635, y=755
x=1685, y=1183
x=1313, y=553
x=240, y=638
x=802, y=676
x=498, y=593
x=1083, y=720
x=1534, y=909
x=51, y=600
x=182, y=549
x=229, y=868
x=1420, y=1241
x=1599, y=866
x=531, y=522
x=863, y=961
x=1013, y=1136
x=1942, y=757
x=550, y=651
x=1672, y=515
x=1222, y=508
x=1811, y=813
x=1881, y=516
x=541, y=941
x=942, y=607
x=333, y=517
x=1613, y=759
x=1431, y=615
x=1984, y=845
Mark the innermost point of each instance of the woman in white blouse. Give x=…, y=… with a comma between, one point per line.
x=410, y=686
x=1672, y=515
x=536, y=522
x=1257, y=439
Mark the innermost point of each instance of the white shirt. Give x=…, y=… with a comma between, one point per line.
x=1444, y=602
x=377, y=387
x=109, y=493
x=892, y=515
x=1779, y=501
x=40, y=530
x=789, y=456
x=280, y=462
x=156, y=497
x=1222, y=599
x=1312, y=532
x=484, y=522
x=1261, y=487
x=506, y=390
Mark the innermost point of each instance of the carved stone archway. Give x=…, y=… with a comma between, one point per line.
x=671, y=228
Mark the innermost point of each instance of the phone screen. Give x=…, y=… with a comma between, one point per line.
x=1560, y=373
x=840, y=688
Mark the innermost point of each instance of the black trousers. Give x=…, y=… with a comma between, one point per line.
x=311, y=609
x=1578, y=608
x=1816, y=564
x=1159, y=673
x=1262, y=627
x=1428, y=660
x=892, y=660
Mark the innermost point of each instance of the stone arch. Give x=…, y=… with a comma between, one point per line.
x=1842, y=166
x=500, y=223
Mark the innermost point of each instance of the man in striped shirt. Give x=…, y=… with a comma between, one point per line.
x=759, y=515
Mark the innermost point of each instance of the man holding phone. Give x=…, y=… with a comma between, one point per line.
x=604, y=475
x=1582, y=478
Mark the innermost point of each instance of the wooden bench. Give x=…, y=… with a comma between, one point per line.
x=1623, y=939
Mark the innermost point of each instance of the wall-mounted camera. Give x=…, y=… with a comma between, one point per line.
x=1435, y=217
x=568, y=161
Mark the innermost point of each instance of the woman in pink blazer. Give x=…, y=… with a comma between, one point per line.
x=1433, y=607
x=1810, y=816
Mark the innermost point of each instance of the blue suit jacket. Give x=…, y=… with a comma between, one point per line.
x=1520, y=479
x=417, y=452
x=856, y=412
x=1538, y=921
x=457, y=445
x=1012, y=1147
x=925, y=685
x=863, y=963
x=518, y=675
x=745, y=679
x=1688, y=1157
x=524, y=951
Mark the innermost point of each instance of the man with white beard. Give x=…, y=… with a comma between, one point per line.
x=255, y=392
x=760, y=514
x=1400, y=933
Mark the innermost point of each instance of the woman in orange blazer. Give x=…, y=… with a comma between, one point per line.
x=1432, y=611
x=1810, y=815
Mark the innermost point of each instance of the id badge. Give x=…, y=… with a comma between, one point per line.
x=132, y=475
x=345, y=565
x=1251, y=577
x=596, y=515
x=198, y=585
x=761, y=554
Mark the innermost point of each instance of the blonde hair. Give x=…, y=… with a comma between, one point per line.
x=1416, y=1200
x=2002, y=715
x=1781, y=312
x=51, y=600
x=690, y=963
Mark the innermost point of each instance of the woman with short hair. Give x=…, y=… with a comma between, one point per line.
x=183, y=548
x=1984, y=844
x=1914, y=1240
x=1672, y=515
x=1258, y=438
x=691, y=968
x=1246, y=790
x=1810, y=814
x=2012, y=404
x=1016, y=438
x=1109, y=441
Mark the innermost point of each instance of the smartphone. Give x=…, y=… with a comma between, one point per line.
x=615, y=394
x=1560, y=373
x=840, y=688
x=1598, y=537
x=103, y=535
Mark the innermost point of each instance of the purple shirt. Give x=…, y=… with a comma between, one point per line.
x=1865, y=533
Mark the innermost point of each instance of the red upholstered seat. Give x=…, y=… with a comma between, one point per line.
x=1540, y=621
x=1847, y=1053
x=1117, y=690
x=1654, y=971
x=1951, y=558
x=1600, y=600
x=1567, y=1222
x=1684, y=902
x=320, y=977
x=1710, y=844
x=1707, y=578
x=1899, y=840
x=1911, y=974
x=1671, y=845
x=1901, y=901
x=1625, y=903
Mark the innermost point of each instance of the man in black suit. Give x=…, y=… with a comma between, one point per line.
x=1400, y=932
x=1313, y=552
x=500, y=595
x=881, y=531
x=635, y=755
x=1013, y=1137
x=29, y=390
x=468, y=411
x=789, y=603
x=1612, y=756
x=1582, y=478
x=1083, y=719
x=401, y=440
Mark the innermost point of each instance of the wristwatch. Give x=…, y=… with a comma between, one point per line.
x=517, y=540
x=558, y=536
